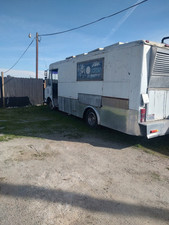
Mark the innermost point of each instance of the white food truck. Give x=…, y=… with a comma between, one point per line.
x=124, y=86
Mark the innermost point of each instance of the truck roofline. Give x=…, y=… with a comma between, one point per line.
x=109, y=47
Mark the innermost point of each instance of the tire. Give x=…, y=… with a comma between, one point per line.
x=50, y=105
x=91, y=118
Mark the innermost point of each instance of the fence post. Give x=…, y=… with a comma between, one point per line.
x=3, y=89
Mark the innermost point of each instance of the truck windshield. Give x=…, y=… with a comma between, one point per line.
x=54, y=74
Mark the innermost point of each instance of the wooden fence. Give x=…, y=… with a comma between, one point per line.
x=21, y=91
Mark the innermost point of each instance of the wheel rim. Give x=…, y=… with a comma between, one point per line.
x=92, y=120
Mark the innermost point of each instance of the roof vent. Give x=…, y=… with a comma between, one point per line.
x=71, y=57
x=97, y=49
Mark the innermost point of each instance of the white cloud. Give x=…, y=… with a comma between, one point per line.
x=22, y=73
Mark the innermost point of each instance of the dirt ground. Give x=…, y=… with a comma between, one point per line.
x=62, y=181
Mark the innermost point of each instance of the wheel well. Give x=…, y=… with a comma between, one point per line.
x=84, y=114
x=48, y=100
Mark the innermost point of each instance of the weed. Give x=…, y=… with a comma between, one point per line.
x=155, y=176
x=7, y=137
x=2, y=179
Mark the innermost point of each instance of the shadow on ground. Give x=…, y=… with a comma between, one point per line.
x=82, y=201
x=55, y=125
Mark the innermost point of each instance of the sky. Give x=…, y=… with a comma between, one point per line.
x=18, y=18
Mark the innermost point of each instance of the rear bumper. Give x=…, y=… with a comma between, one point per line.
x=155, y=128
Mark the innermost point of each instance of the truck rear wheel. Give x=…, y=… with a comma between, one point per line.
x=91, y=118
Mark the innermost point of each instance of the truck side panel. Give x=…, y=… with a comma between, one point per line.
x=132, y=95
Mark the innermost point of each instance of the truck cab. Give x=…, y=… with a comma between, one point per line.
x=51, y=89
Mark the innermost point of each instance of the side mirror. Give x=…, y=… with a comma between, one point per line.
x=45, y=74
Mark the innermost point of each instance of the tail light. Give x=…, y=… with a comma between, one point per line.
x=153, y=131
x=142, y=115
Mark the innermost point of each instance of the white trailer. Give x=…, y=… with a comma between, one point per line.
x=124, y=86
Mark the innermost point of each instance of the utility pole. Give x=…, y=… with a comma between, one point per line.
x=37, y=55
x=3, y=89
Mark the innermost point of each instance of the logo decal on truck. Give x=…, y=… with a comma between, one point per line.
x=90, y=70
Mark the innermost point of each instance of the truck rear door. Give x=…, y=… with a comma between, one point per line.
x=158, y=90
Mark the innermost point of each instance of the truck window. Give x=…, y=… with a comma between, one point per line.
x=54, y=74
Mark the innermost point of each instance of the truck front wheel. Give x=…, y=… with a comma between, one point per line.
x=49, y=103
x=91, y=118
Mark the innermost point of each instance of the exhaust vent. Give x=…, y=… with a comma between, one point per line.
x=161, y=64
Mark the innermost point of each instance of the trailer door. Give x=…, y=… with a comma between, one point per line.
x=158, y=91
x=158, y=107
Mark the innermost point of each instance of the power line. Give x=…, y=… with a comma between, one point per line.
x=76, y=28
x=95, y=21
x=20, y=56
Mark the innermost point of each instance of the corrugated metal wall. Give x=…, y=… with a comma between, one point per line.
x=22, y=91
